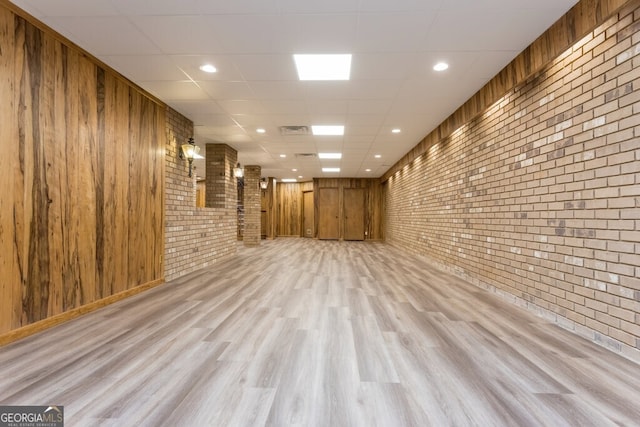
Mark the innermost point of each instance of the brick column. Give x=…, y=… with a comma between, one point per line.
x=221, y=185
x=252, y=205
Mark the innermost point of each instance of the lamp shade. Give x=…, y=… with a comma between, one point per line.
x=190, y=151
x=238, y=172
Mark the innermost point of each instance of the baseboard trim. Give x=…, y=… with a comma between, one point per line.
x=50, y=322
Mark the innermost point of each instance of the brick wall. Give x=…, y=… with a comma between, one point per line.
x=195, y=238
x=252, y=206
x=538, y=199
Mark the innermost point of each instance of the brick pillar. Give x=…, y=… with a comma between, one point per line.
x=252, y=205
x=221, y=185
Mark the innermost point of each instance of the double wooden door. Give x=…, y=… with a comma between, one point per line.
x=330, y=218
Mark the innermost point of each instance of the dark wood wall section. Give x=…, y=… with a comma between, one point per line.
x=569, y=29
x=81, y=178
x=374, y=214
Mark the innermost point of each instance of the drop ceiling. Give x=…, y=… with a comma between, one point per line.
x=161, y=44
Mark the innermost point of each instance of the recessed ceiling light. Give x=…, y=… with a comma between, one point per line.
x=378, y=156
x=294, y=170
x=396, y=131
x=323, y=67
x=327, y=130
x=335, y=156
x=288, y=180
x=367, y=170
x=300, y=177
x=260, y=130
x=330, y=169
x=282, y=156
x=441, y=66
x=208, y=68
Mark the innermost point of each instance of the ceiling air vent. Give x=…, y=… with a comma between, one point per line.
x=294, y=130
x=306, y=155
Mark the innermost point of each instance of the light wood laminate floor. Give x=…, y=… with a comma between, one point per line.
x=300, y=332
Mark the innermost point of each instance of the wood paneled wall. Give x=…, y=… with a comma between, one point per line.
x=81, y=178
x=289, y=196
x=374, y=213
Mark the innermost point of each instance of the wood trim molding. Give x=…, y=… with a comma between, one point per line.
x=583, y=18
x=50, y=322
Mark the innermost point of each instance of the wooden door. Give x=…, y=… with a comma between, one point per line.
x=307, y=214
x=328, y=212
x=353, y=214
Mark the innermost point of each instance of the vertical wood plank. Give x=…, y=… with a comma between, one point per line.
x=9, y=170
x=71, y=209
x=159, y=140
x=54, y=169
x=110, y=200
x=135, y=204
x=36, y=283
x=98, y=151
x=87, y=176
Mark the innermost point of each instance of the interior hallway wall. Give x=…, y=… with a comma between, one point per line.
x=81, y=180
x=195, y=237
x=538, y=197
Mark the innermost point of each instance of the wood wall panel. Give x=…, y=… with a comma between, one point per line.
x=289, y=196
x=374, y=213
x=81, y=212
x=9, y=265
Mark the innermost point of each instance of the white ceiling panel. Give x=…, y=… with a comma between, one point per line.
x=260, y=68
x=175, y=90
x=393, y=32
x=191, y=108
x=322, y=33
x=161, y=44
x=160, y=7
x=190, y=64
x=180, y=34
x=105, y=35
x=222, y=90
x=71, y=8
x=325, y=6
x=145, y=67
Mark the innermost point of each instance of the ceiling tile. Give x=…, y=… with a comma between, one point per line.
x=325, y=6
x=73, y=7
x=175, y=90
x=145, y=67
x=393, y=32
x=106, y=35
x=223, y=90
x=160, y=7
x=266, y=67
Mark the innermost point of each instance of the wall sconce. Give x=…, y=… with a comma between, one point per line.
x=264, y=183
x=238, y=172
x=189, y=152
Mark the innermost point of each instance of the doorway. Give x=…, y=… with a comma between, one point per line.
x=353, y=214
x=328, y=214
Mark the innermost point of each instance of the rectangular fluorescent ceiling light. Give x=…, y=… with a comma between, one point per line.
x=323, y=67
x=288, y=180
x=327, y=130
x=330, y=169
x=335, y=156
